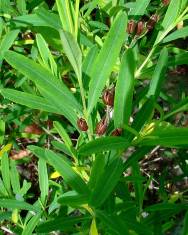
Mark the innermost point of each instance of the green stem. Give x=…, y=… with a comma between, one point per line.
x=76, y=23
x=144, y=63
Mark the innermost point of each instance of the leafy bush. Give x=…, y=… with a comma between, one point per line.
x=93, y=117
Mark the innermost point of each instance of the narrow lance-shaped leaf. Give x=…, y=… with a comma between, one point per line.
x=166, y=136
x=87, y=65
x=31, y=225
x=29, y=100
x=169, y=19
x=69, y=175
x=46, y=55
x=43, y=179
x=106, y=59
x=5, y=171
x=179, y=107
x=14, y=204
x=124, y=90
x=2, y=131
x=139, y=8
x=158, y=75
x=142, y=117
x=7, y=42
x=62, y=166
x=61, y=223
x=15, y=182
x=103, y=144
x=106, y=182
x=65, y=15
x=72, y=51
x=55, y=91
x=180, y=33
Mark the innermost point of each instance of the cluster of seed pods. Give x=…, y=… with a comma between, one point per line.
x=141, y=26
x=102, y=125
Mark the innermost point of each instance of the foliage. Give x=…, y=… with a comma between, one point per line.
x=72, y=71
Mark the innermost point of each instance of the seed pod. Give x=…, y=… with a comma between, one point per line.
x=140, y=27
x=150, y=24
x=165, y=2
x=82, y=124
x=108, y=97
x=101, y=126
x=116, y=132
x=131, y=26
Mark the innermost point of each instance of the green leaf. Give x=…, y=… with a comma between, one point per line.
x=96, y=170
x=179, y=107
x=88, y=65
x=6, y=172
x=106, y=182
x=31, y=225
x=49, y=19
x=62, y=132
x=46, y=55
x=181, y=58
x=2, y=131
x=113, y=223
x=7, y=42
x=14, y=204
x=180, y=33
x=124, y=90
x=65, y=15
x=21, y=5
x=73, y=199
x=142, y=117
x=63, y=167
x=166, y=136
x=29, y=100
x=72, y=51
x=158, y=75
x=63, y=98
x=61, y=223
x=169, y=19
x=15, y=182
x=44, y=19
x=185, y=225
x=166, y=206
x=106, y=59
x=139, y=7
x=103, y=144
x=66, y=171
x=43, y=179
x=62, y=147
x=3, y=190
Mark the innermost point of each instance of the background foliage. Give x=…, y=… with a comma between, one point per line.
x=93, y=126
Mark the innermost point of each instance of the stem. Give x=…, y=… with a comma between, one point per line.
x=144, y=63
x=85, y=113
x=77, y=4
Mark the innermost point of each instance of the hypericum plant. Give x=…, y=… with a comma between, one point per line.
x=97, y=70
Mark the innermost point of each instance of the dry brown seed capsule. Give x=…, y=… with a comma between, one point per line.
x=101, y=126
x=150, y=24
x=131, y=26
x=108, y=97
x=116, y=132
x=82, y=124
x=165, y=2
x=140, y=27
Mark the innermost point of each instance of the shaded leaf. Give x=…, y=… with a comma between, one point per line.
x=106, y=59
x=124, y=90
x=103, y=144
